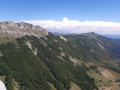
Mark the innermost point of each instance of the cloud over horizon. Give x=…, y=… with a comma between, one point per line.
x=76, y=26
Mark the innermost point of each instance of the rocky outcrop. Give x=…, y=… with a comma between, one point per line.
x=10, y=30
x=27, y=25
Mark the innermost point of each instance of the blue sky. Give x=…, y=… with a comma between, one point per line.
x=61, y=10
x=100, y=10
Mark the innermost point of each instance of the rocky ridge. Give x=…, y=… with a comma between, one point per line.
x=10, y=30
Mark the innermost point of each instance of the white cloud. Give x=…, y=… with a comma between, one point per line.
x=75, y=26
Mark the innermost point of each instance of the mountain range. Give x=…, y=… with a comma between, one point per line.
x=31, y=58
x=114, y=36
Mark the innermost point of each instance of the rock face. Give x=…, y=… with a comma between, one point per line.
x=10, y=30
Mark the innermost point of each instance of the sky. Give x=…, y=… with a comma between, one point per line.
x=68, y=16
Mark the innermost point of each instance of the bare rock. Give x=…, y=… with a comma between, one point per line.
x=9, y=31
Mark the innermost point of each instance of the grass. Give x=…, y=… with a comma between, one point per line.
x=2, y=78
x=75, y=87
x=52, y=86
x=117, y=76
x=99, y=80
x=15, y=85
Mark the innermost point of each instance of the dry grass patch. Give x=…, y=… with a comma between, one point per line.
x=75, y=87
x=108, y=75
x=116, y=75
x=100, y=81
x=16, y=85
x=52, y=86
x=2, y=78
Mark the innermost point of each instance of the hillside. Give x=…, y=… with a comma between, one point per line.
x=35, y=59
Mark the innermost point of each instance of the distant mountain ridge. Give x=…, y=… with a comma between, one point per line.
x=114, y=36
